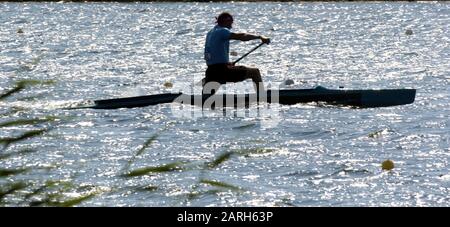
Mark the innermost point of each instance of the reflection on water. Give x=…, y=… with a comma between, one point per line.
x=314, y=155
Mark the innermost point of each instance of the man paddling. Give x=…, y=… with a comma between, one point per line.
x=220, y=70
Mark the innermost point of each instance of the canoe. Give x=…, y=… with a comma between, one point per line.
x=356, y=98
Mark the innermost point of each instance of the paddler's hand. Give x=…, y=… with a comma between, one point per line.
x=265, y=39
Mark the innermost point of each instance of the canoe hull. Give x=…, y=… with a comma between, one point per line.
x=356, y=98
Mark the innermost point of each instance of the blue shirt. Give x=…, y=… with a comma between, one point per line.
x=217, y=46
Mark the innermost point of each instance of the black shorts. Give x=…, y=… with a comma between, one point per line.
x=223, y=73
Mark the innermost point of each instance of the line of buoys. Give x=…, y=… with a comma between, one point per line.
x=408, y=32
x=168, y=84
x=387, y=165
x=288, y=82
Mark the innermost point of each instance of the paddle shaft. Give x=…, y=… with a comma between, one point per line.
x=245, y=55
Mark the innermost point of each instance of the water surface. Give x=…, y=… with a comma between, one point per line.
x=302, y=155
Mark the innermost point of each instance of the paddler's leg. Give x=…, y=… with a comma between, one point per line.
x=255, y=75
x=210, y=82
x=241, y=73
x=210, y=87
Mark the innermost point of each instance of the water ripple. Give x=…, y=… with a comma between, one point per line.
x=302, y=155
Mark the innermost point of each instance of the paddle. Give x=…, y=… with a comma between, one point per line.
x=243, y=56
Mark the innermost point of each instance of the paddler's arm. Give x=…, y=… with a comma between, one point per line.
x=247, y=37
